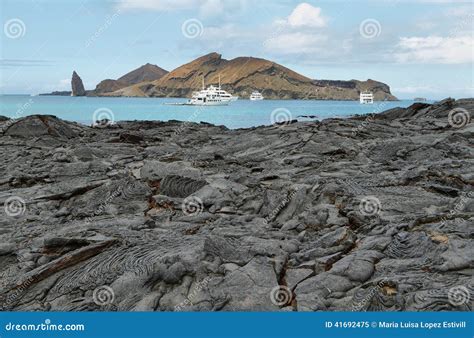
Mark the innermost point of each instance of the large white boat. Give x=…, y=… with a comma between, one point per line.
x=211, y=96
x=366, y=98
x=256, y=96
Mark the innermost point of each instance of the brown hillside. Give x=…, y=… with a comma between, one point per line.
x=242, y=75
x=147, y=72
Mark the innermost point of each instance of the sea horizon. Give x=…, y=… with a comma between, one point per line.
x=239, y=114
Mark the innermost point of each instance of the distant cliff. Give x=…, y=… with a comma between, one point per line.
x=243, y=75
x=57, y=93
x=350, y=90
x=77, y=87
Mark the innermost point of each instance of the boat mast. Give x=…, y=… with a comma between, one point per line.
x=203, y=82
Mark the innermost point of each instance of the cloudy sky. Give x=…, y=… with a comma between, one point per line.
x=418, y=47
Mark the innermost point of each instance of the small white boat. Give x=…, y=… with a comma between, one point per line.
x=211, y=96
x=256, y=96
x=366, y=98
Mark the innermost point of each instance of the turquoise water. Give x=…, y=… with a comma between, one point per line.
x=239, y=114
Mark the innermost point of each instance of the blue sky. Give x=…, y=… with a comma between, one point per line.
x=418, y=47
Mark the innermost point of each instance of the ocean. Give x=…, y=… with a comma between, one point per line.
x=239, y=114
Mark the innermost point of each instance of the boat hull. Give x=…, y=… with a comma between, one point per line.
x=206, y=104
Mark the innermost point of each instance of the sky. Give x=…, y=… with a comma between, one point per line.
x=420, y=48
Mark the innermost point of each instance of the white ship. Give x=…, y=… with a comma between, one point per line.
x=366, y=98
x=256, y=96
x=212, y=96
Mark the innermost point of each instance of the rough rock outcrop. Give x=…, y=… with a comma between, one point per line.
x=366, y=214
x=77, y=87
x=38, y=126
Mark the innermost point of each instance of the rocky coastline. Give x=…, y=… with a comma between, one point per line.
x=370, y=213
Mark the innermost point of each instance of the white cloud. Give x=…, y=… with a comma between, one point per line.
x=440, y=1
x=426, y=25
x=158, y=5
x=296, y=33
x=460, y=11
x=64, y=84
x=295, y=43
x=306, y=15
x=226, y=33
x=436, y=90
x=435, y=49
x=413, y=89
x=212, y=8
x=206, y=8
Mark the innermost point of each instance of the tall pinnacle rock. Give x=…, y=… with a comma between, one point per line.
x=77, y=86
